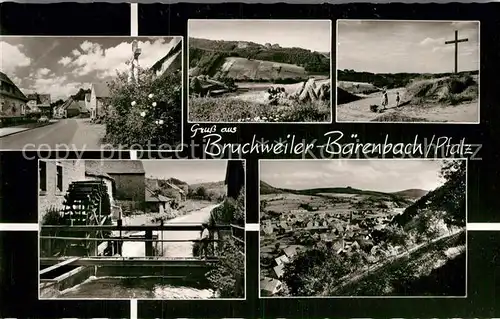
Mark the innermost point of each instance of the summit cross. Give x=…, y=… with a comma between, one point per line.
x=456, y=42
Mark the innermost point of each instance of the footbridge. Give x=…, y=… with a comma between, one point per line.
x=66, y=262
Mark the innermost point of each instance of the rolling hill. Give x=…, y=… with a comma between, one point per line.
x=225, y=58
x=266, y=188
x=412, y=193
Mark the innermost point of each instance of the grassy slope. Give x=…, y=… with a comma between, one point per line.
x=413, y=274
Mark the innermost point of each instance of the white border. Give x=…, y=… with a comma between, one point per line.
x=411, y=21
x=251, y=20
x=375, y=297
x=141, y=299
x=73, y=148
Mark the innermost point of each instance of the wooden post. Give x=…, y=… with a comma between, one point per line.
x=149, y=244
x=456, y=41
x=119, y=245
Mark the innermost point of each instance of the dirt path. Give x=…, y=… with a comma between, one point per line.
x=359, y=111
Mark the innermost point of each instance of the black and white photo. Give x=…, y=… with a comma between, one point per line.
x=142, y=229
x=408, y=71
x=259, y=71
x=90, y=93
x=365, y=228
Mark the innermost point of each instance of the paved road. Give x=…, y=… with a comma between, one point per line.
x=72, y=134
x=181, y=249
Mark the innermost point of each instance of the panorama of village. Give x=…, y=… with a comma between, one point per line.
x=362, y=228
x=151, y=229
x=89, y=93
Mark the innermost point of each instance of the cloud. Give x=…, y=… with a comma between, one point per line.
x=12, y=57
x=59, y=87
x=43, y=71
x=431, y=42
x=65, y=61
x=106, y=62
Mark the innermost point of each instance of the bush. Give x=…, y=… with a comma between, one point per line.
x=228, y=275
x=146, y=111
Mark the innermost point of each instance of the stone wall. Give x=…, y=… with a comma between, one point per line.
x=72, y=170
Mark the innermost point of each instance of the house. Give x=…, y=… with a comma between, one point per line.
x=12, y=100
x=38, y=103
x=172, y=61
x=99, y=99
x=291, y=251
x=175, y=192
x=71, y=108
x=270, y=286
x=242, y=45
x=279, y=270
x=268, y=229
x=338, y=246
x=129, y=177
x=156, y=202
x=283, y=259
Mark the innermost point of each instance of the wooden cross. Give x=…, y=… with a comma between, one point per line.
x=456, y=41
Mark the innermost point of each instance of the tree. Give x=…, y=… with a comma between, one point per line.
x=201, y=192
x=452, y=199
x=313, y=272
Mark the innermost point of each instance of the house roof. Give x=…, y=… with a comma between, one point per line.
x=3, y=88
x=279, y=270
x=117, y=167
x=269, y=284
x=96, y=171
x=39, y=98
x=177, y=188
x=71, y=104
x=151, y=197
x=101, y=89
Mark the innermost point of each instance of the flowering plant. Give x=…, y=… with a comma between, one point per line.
x=146, y=111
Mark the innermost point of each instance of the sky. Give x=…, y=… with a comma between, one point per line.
x=377, y=175
x=60, y=66
x=314, y=35
x=189, y=171
x=401, y=46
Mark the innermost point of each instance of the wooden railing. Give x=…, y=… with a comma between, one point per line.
x=237, y=234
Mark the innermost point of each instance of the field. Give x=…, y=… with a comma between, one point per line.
x=442, y=99
x=242, y=69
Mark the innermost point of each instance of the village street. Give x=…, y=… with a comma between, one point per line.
x=71, y=134
x=179, y=249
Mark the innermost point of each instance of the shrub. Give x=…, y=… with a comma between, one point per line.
x=148, y=111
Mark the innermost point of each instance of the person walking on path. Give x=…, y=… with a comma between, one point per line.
x=385, y=99
x=397, y=99
x=204, y=241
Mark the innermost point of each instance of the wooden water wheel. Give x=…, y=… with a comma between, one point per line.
x=86, y=203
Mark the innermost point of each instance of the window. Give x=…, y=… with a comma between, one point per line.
x=42, y=172
x=59, y=181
